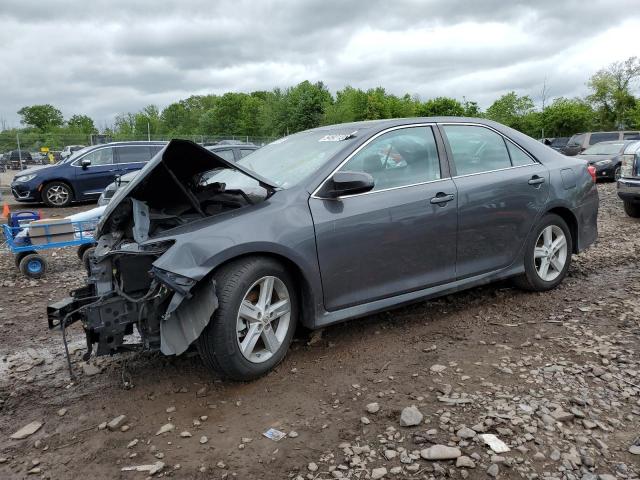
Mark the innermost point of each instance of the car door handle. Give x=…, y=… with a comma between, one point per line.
x=536, y=180
x=442, y=198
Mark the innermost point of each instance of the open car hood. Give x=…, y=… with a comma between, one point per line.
x=181, y=158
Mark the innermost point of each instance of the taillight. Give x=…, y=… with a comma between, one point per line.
x=626, y=169
x=592, y=171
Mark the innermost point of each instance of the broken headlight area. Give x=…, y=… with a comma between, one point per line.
x=125, y=292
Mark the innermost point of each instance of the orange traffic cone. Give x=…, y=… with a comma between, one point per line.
x=5, y=211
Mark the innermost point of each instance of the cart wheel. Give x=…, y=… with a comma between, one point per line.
x=33, y=265
x=83, y=248
x=86, y=258
x=20, y=256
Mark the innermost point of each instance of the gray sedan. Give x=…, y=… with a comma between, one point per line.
x=323, y=226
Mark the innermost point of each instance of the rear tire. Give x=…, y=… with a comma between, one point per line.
x=57, y=194
x=229, y=333
x=33, y=266
x=632, y=209
x=540, y=250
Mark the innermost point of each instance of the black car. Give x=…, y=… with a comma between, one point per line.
x=558, y=143
x=606, y=157
x=12, y=159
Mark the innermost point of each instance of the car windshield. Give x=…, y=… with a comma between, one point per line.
x=576, y=140
x=287, y=161
x=74, y=155
x=604, y=149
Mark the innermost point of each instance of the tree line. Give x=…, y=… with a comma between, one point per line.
x=610, y=105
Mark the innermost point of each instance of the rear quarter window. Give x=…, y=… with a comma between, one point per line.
x=597, y=137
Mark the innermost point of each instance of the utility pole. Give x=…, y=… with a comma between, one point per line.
x=19, y=151
x=544, y=101
x=148, y=131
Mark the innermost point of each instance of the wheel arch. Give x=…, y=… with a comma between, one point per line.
x=44, y=184
x=303, y=284
x=572, y=222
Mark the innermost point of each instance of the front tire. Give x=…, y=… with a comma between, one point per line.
x=547, y=255
x=632, y=209
x=251, y=330
x=57, y=194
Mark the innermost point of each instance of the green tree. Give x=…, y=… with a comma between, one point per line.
x=43, y=117
x=565, y=116
x=611, y=95
x=516, y=112
x=82, y=124
x=441, y=106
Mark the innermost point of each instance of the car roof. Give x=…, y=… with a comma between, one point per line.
x=225, y=146
x=391, y=122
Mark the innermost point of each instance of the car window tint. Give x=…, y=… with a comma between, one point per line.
x=245, y=151
x=630, y=135
x=133, y=154
x=598, y=137
x=476, y=149
x=518, y=157
x=103, y=156
x=226, y=154
x=402, y=157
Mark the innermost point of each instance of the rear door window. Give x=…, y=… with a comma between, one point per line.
x=134, y=154
x=631, y=136
x=476, y=149
x=597, y=137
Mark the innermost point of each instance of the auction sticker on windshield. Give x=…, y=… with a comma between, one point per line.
x=337, y=137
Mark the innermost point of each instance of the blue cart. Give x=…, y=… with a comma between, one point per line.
x=25, y=248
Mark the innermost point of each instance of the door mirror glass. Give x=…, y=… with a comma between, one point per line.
x=347, y=183
x=85, y=162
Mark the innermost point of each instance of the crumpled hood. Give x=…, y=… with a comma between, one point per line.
x=184, y=159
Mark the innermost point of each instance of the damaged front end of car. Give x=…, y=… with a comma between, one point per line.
x=145, y=273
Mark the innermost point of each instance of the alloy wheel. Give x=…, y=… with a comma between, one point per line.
x=58, y=194
x=550, y=255
x=263, y=319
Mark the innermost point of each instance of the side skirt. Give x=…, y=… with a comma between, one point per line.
x=329, y=318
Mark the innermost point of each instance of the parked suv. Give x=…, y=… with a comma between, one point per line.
x=83, y=175
x=12, y=159
x=629, y=181
x=581, y=141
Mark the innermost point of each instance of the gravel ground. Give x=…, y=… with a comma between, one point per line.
x=404, y=394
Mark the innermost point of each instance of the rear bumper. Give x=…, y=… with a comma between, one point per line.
x=629, y=189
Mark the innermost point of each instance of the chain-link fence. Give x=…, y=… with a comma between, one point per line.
x=37, y=142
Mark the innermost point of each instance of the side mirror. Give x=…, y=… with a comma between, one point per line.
x=347, y=183
x=85, y=163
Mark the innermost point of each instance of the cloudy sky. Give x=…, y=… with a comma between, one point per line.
x=105, y=57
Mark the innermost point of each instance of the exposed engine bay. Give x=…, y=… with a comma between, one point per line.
x=184, y=184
